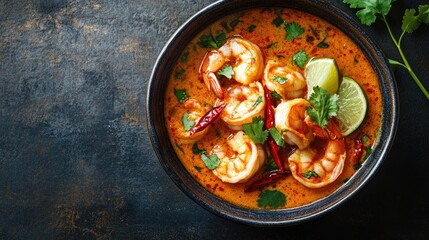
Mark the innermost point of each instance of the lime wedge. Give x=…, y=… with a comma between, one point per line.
x=322, y=72
x=351, y=106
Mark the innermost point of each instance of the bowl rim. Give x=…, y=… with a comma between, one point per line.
x=287, y=216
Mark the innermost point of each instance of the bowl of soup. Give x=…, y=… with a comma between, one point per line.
x=248, y=107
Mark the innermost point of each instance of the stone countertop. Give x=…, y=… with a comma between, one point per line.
x=76, y=161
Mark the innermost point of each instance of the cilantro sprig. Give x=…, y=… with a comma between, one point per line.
x=255, y=130
x=210, y=41
x=271, y=199
x=411, y=21
x=324, y=106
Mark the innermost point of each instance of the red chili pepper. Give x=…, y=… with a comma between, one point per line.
x=269, y=123
x=208, y=118
x=269, y=178
x=358, y=150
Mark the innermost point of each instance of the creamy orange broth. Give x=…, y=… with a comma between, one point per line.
x=350, y=60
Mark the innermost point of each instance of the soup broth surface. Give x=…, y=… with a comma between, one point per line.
x=267, y=28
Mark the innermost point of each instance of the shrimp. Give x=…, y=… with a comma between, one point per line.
x=286, y=82
x=315, y=170
x=289, y=119
x=239, y=162
x=245, y=58
x=243, y=104
x=193, y=110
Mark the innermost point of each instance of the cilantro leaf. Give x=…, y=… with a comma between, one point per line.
x=277, y=136
x=211, y=162
x=276, y=95
x=187, y=124
x=411, y=22
x=196, y=150
x=179, y=73
x=324, y=106
x=279, y=79
x=310, y=173
x=257, y=102
x=300, y=58
x=251, y=28
x=323, y=44
x=209, y=41
x=181, y=95
x=271, y=199
x=198, y=168
x=226, y=71
x=278, y=21
x=255, y=130
x=293, y=30
x=367, y=14
x=270, y=165
x=185, y=57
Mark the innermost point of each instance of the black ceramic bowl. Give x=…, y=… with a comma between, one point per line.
x=180, y=176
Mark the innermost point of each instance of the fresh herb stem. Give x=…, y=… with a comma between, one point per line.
x=404, y=59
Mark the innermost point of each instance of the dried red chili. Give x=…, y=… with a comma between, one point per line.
x=269, y=123
x=269, y=178
x=207, y=119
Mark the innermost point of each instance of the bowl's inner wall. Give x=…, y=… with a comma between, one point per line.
x=173, y=166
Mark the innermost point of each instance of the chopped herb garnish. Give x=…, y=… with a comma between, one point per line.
x=300, y=58
x=181, y=95
x=277, y=136
x=226, y=26
x=323, y=44
x=234, y=22
x=179, y=147
x=251, y=28
x=278, y=21
x=187, y=124
x=293, y=30
x=324, y=106
x=270, y=165
x=185, y=57
x=196, y=150
x=255, y=130
x=310, y=173
x=257, y=102
x=211, y=162
x=275, y=95
x=197, y=168
x=208, y=41
x=365, y=139
x=180, y=73
x=273, y=45
x=368, y=152
x=279, y=79
x=226, y=71
x=271, y=199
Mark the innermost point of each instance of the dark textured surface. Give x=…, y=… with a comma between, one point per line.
x=75, y=157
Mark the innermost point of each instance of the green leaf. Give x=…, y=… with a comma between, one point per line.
x=293, y=30
x=271, y=199
x=368, y=152
x=300, y=58
x=187, y=124
x=251, y=28
x=234, y=22
x=310, y=173
x=369, y=9
x=411, y=21
x=226, y=71
x=278, y=21
x=209, y=41
x=181, y=95
x=211, y=162
x=279, y=79
x=197, y=168
x=257, y=102
x=196, y=150
x=179, y=74
x=256, y=131
x=185, y=57
x=179, y=147
x=270, y=165
x=277, y=136
x=324, y=106
x=275, y=95
x=323, y=44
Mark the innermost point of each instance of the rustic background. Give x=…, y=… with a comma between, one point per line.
x=75, y=157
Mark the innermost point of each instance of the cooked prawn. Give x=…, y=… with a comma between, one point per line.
x=244, y=102
x=245, y=58
x=286, y=82
x=193, y=110
x=240, y=161
x=289, y=119
x=314, y=169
